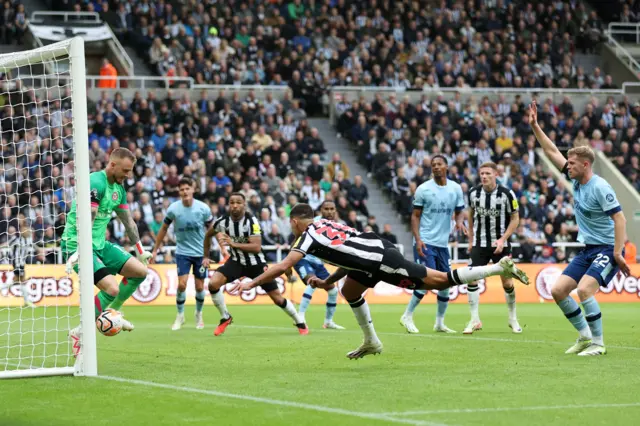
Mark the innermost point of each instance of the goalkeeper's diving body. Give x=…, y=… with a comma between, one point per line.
x=108, y=196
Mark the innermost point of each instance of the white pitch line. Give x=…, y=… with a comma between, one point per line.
x=501, y=409
x=291, y=404
x=448, y=336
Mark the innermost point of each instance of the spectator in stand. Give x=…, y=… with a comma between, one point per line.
x=336, y=165
x=358, y=195
x=388, y=235
x=315, y=170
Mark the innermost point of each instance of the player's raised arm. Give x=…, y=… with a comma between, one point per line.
x=273, y=272
x=549, y=148
x=132, y=232
x=159, y=240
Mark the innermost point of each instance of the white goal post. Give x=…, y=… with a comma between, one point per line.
x=45, y=115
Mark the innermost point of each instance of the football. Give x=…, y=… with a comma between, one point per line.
x=109, y=322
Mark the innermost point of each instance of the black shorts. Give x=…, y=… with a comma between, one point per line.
x=481, y=256
x=393, y=269
x=233, y=270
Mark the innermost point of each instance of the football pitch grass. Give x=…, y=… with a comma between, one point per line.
x=261, y=372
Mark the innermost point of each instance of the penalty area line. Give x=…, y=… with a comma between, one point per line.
x=269, y=401
x=502, y=409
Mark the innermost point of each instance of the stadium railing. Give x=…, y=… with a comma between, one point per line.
x=5, y=252
x=616, y=29
x=621, y=52
x=455, y=248
x=579, y=97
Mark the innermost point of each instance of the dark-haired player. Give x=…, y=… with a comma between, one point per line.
x=366, y=259
x=241, y=232
x=310, y=266
x=190, y=219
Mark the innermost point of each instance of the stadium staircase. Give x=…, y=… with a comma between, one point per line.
x=378, y=204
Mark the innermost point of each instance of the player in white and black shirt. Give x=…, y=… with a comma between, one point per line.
x=241, y=232
x=21, y=246
x=493, y=218
x=366, y=259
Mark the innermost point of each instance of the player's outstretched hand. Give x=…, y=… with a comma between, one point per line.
x=421, y=247
x=240, y=287
x=533, y=113
x=460, y=227
x=499, y=245
x=206, y=262
x=152, y=259
x=316, y=282
x=624, y=268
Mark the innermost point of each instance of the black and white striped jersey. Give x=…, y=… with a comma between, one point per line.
x=21, y=249
x=341, y=246
x=491, y=213
x=240, y=231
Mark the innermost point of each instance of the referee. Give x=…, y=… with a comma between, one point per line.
x=493, y=217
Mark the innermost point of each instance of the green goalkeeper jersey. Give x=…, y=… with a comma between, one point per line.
x=107, y=197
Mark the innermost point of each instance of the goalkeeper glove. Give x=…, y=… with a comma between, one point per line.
x=71, y=262
x=142, y=255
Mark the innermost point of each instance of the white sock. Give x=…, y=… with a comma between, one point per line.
x=218, y=302
x=585, y=333
x=290, y=309
x=511, y=303
x=363, y=316
x=470, y=274
x=598, y=340
x=474, y=302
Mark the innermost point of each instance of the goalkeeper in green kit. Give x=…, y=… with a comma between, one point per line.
x=108, y=196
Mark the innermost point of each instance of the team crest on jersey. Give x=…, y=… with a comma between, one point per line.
x=114, y=196
x=610, y=198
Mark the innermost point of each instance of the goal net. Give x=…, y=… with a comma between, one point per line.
x=44, y=166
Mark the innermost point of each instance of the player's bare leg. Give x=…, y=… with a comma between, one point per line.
x=561, y=294
x=288, y=307
x=217, y=296
x=200, y=296
x=352, y=291
x=181, y=297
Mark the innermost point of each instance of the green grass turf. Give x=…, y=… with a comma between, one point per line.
x=262, y=355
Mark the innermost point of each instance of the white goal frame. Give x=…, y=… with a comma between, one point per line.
x=73, y=49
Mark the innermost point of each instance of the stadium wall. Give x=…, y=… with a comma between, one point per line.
x=50, y=285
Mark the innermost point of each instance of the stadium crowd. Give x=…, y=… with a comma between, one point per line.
x=13, y=22
x=263, y=149
x=312, y=45
x=396, y=139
